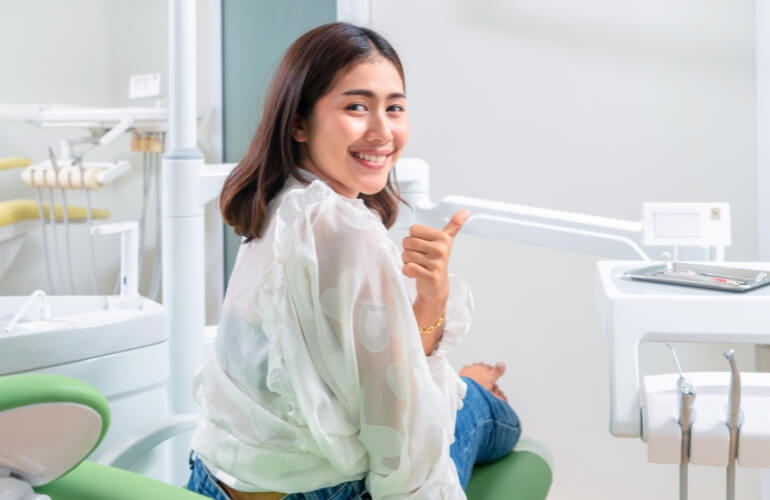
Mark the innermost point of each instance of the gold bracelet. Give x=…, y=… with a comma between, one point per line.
x=429, y=329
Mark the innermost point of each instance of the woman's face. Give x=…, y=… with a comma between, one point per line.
x=357, y=130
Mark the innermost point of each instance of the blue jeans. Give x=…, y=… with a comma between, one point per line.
x=486, y=430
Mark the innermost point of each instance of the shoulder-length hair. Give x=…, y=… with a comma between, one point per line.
x=306, y=73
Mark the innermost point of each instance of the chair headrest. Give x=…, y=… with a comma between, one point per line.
x=48, y=425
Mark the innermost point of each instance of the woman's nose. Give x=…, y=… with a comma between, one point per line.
x=378, y=130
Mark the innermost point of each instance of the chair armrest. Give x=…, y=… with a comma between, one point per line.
x=130, y=450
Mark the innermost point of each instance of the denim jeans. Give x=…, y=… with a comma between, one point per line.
x=486, y=430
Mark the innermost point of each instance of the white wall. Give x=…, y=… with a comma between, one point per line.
x=82, y=52
x=595, y=107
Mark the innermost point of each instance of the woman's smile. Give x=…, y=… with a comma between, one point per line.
x=371, y=159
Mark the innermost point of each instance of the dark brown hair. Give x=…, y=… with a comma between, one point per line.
x=306, y=73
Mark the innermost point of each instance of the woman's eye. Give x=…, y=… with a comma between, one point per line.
x=396, y=108
x=357, y=107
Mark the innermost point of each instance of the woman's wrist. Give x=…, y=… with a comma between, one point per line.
x=428, y=312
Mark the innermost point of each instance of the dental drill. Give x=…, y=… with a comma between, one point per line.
x=686, y=417
x=734, y=420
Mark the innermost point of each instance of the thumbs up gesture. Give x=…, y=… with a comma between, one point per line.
x=426, y=257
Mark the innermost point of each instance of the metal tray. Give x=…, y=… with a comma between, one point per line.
x=730, y=279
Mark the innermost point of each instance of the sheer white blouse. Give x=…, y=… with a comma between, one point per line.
x=319, y=375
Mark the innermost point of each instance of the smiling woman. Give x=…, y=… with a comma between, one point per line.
x=306, y=80
x=357, y=130
x=330, y=377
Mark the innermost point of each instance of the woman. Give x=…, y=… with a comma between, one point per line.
x=329, y=378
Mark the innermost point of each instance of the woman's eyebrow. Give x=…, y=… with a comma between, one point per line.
x=369, y=93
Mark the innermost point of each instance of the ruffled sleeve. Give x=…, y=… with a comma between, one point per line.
x=352, y=302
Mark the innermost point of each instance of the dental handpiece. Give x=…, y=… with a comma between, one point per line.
x=733, y=420
x=686, y=416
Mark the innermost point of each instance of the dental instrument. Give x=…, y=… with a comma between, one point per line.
x=733, y=420
x=685, y=418
x=44, y=311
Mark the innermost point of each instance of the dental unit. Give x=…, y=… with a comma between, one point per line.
x=654, y=407
x=633, y=312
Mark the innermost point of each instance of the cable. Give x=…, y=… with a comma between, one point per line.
x=41, y=213
x=146, y=184
x=67, y=246
x=157, y=271
x=683, y=481
x=65, y=218
x=55, y=240
x=89, y=224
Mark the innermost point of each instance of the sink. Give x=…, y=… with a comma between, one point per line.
x=81, y=327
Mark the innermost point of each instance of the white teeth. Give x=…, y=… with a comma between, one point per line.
x=370, y=158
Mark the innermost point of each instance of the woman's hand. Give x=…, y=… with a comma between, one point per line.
x=486, y=376
x=426, y=258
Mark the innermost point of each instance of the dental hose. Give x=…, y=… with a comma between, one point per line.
x=52, y=214
x=89, y=224
x=67, y=245
x=46, y=256
x=156, y=268
x=146, y=179
x=65, y=218
x=55, y=240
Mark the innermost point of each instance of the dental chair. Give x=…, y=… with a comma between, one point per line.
x=49, y=425
x=525, y=474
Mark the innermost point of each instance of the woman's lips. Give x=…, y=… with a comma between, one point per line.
x=372, y=159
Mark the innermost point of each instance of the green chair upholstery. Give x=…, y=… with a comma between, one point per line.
x=65, y=475
x=525, y=474
x=92, y=481
x=522, y=475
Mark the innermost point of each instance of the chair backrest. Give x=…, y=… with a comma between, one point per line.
x=48, y=425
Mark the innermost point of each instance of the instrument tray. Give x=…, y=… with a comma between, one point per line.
x=731, y=279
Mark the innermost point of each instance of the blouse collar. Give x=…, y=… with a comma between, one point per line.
x=311, y=178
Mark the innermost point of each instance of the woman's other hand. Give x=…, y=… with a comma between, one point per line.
x=426, y=258
x=486, y=375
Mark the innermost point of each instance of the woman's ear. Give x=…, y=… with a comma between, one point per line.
x=299, y=131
